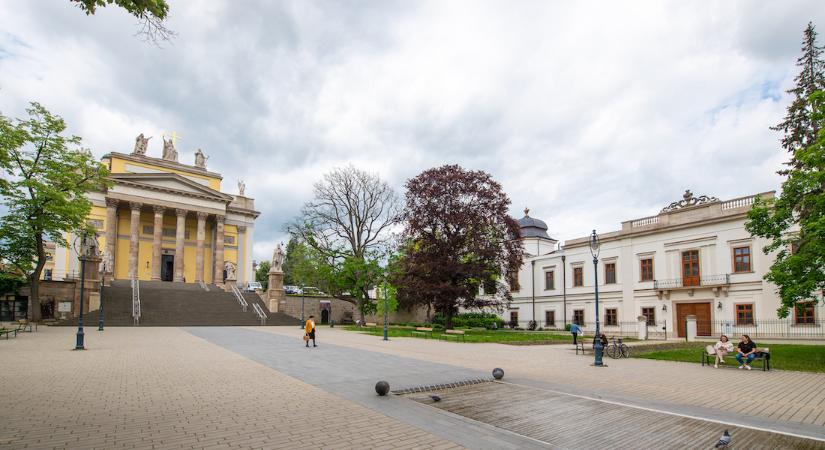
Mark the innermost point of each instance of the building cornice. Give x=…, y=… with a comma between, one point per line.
x=194, y=170
x=134, y=180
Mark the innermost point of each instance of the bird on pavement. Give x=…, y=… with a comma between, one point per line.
x=723, y=441
x=435, y=398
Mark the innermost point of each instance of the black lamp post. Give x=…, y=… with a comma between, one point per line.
x=102, y=280
x=386, y=317
x=598, y=348
x=85, y=246
x=303, y=321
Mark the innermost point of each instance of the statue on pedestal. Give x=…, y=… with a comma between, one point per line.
x=169, y=152
x=241, y=188
x=200, y=159
x=229, y=267
x=141, y=144
x=277, y=259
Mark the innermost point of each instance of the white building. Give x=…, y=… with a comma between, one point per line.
x=693, y=258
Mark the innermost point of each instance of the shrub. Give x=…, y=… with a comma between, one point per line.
x=567, y=326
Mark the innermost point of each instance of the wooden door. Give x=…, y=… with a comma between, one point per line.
x=690, y=268
x=702, y=313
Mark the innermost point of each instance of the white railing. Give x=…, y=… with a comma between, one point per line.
x=136, y=300
x=203, y=286
x=239, y=297
x=260, y=313
x=645, y=221
x=738, y=202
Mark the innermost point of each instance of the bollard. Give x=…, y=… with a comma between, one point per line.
x=498, y=373
x=382, y=387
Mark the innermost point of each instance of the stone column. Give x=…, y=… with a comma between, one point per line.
x=157, y=235
x=180, y=238
x=218, y=278
x=134, y=236
x=111, y=236
x=240, y=269
x=199, y=253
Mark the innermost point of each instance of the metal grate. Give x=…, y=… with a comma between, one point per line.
x=439, y=387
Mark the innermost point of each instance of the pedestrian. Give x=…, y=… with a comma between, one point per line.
x=309, y=328
x=575, y=330
x=747, y=351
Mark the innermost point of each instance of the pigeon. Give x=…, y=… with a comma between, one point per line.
x=435, y=398
x=723, y=441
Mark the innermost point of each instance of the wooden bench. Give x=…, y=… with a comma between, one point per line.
x=580, y=347
x=457, y=334
x=763, y=354
x=424, y=331
x=8, y=331
x=370, y=324
x=25, y=325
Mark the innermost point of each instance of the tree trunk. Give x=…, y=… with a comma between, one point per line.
x=448, y=318
x=34, y=281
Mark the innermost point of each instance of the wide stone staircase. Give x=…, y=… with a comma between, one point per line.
x=180, y=304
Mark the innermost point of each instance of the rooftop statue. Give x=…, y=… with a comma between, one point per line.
x=200, y=159
x=169, y=152
x=141, y=144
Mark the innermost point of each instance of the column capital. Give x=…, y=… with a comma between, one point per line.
x=135, y=206
x=180, y=212
x=241, y=228
x=220, y=218
x=112, y=202
x=159, y=209
x=202, y=215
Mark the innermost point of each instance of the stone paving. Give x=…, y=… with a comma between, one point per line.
x=165, y=388
x=783, y=400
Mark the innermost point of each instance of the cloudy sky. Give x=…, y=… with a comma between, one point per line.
x=588, y=113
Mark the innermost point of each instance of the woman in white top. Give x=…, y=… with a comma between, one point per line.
x=723, y=347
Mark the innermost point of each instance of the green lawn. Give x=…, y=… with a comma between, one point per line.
x=473, y=335
x=805, y=358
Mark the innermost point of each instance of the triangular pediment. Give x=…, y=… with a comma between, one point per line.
x=171, y=182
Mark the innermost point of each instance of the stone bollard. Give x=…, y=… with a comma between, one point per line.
x=642, y=328
x=690, y=328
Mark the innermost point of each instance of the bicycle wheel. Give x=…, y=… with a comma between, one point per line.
x=625, y=351
x=613, y=352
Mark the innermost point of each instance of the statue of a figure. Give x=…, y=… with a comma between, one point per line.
x=169, y=152
x=200, y=159
x=229, y=267
x=241, y=188
x=278, y=259
x=141, y=144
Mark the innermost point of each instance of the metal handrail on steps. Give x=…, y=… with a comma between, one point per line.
x=260, y=312
x=136, y=301
x=239, y=297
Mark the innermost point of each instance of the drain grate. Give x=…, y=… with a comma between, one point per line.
x=442, y=386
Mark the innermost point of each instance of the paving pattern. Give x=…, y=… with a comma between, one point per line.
x=573, y=422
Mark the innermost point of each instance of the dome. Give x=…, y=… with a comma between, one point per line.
x=531, y=227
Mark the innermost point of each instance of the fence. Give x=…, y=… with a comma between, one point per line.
x=763, y=329
x=618, y=329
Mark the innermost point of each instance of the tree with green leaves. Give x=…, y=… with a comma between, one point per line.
x=262, y=274
x=151, y=15
x=798, y=126
x=794, y=223
x=44, y=182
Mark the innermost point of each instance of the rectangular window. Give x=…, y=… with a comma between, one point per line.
x=95, y=223
x=804, y=313
x=611, y=316
x=514, y=317
x=650, y=315
x=742, y=259
x=646, y=269
x=549, y=280
x=794, y=247
x=578, y=276
x=169, y=232
x=148, y=229
x=550, y=318
x=744, y=314
x=578, y=316
x=512, y=280
x=610, y=273
x=229, y=240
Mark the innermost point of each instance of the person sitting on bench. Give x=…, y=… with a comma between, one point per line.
x=722, y=347
x=747, y=350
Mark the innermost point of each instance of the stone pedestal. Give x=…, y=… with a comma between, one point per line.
x=275, y=294
x=228, y=283
x=690, y=328
x=642, y=324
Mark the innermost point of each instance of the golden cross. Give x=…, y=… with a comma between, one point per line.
x=174, y=135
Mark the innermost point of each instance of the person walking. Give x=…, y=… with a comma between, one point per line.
x=575, y=330
x=309, y=328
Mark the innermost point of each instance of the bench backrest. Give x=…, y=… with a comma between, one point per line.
x=423, y=329
x=455, y=331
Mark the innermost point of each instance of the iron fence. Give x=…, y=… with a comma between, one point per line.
x=763, y=329
x=722, y=279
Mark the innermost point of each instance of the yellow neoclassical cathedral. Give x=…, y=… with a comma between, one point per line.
x=165, y=220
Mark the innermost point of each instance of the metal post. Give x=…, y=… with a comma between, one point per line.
x=100, y=317
x=386, y=316
x=80, y=335
x=303, y=321
x=597, y=346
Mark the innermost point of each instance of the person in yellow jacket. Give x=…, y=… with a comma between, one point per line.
x=309, y=328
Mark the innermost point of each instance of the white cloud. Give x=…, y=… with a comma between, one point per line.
x=589, y=113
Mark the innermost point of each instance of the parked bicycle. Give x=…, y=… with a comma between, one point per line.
x=618, y=349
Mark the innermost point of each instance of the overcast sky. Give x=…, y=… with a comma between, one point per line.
x=588, y=113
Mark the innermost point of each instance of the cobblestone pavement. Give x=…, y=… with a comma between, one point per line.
x=165, y=388
x=792, y=402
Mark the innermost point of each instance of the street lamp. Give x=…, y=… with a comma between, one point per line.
x=598, y=348
x=386, y=317
x=303, y=321
x=86, y=247
x=105, y=265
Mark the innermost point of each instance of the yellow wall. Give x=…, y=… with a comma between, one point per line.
x=119, y=166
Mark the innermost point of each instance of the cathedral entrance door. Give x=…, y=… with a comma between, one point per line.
x=167, y=267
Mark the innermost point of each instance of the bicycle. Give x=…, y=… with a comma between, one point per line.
x=618, y=350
